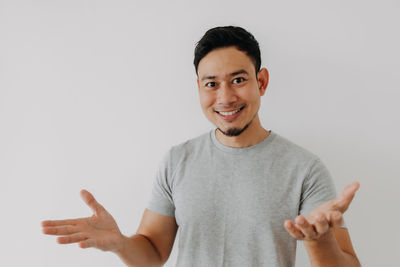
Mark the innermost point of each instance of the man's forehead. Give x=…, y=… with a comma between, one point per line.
x=223, y=62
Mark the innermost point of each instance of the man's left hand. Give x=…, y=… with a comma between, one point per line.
x=322, y=219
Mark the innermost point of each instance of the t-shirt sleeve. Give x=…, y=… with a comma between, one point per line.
x=161, y=200
x=318, y=187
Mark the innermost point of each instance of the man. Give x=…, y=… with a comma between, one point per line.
x=232, y=190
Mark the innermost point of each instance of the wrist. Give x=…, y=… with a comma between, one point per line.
x=323, y=240
x=121, y=245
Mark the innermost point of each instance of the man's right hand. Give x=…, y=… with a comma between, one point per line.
x=99, y=231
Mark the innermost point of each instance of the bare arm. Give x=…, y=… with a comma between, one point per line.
x=334, y=249
x=154, y=240
x=139, y=251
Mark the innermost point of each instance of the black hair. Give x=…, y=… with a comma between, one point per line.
x=225, y=36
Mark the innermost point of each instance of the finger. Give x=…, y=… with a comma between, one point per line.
x=306, y=228
x=321, y=224
x=336, y=219
x=91, y=201
x=88, y=243
x=293, y=230
x=60, y=230
x=74, y=238
x=343, y=201
x=61, y=222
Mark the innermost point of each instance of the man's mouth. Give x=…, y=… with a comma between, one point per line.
x=230, y=115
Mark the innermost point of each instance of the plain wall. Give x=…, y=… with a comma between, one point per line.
x=92, y=93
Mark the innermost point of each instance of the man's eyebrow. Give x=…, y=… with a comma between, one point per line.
x=242, y=71
x=207, y=78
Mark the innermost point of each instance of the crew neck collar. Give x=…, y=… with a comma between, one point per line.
x=238, y=150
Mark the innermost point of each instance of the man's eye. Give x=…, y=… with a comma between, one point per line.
x=210, y=84
x=239, y=79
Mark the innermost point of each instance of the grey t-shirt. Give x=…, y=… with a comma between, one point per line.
x=231, y=203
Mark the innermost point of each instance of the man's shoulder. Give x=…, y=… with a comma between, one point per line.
x=189, y=145
x=291, y=149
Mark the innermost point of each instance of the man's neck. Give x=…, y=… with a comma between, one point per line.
x=253, y=135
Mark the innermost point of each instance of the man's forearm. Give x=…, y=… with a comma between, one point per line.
x=139, y=251
x=327, y=253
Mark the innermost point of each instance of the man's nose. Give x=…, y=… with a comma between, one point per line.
x=226, y=95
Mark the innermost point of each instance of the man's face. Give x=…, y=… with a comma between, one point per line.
x=227, y=82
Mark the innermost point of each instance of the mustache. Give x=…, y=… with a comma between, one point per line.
x=230, y=107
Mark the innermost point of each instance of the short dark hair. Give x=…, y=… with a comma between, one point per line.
x=225, y=36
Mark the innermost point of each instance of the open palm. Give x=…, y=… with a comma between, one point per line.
x=99, y=231
x=320, y=221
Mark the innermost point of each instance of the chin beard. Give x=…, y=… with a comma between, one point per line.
x=234, y=131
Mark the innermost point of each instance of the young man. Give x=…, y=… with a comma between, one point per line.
x=231, y=191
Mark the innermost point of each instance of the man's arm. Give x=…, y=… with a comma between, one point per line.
x=139, y=251
x=334, y=250
x=327, y=244
x=152, y=244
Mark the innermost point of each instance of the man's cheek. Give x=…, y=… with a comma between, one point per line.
x=207, y=101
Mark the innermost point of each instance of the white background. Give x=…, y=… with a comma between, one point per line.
x=92, y=93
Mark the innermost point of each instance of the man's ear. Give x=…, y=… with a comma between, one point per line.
x=263, y=79
x=198, y=84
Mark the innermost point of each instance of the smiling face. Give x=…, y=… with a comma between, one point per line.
x=230, y=91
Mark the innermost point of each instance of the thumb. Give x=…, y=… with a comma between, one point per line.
x=91, y=201
x=344, y=200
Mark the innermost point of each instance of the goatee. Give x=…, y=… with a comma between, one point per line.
x=235, y=131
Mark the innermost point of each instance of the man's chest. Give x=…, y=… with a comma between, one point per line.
x=235, y=195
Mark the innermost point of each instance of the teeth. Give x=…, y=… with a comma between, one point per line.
x=229, y=113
